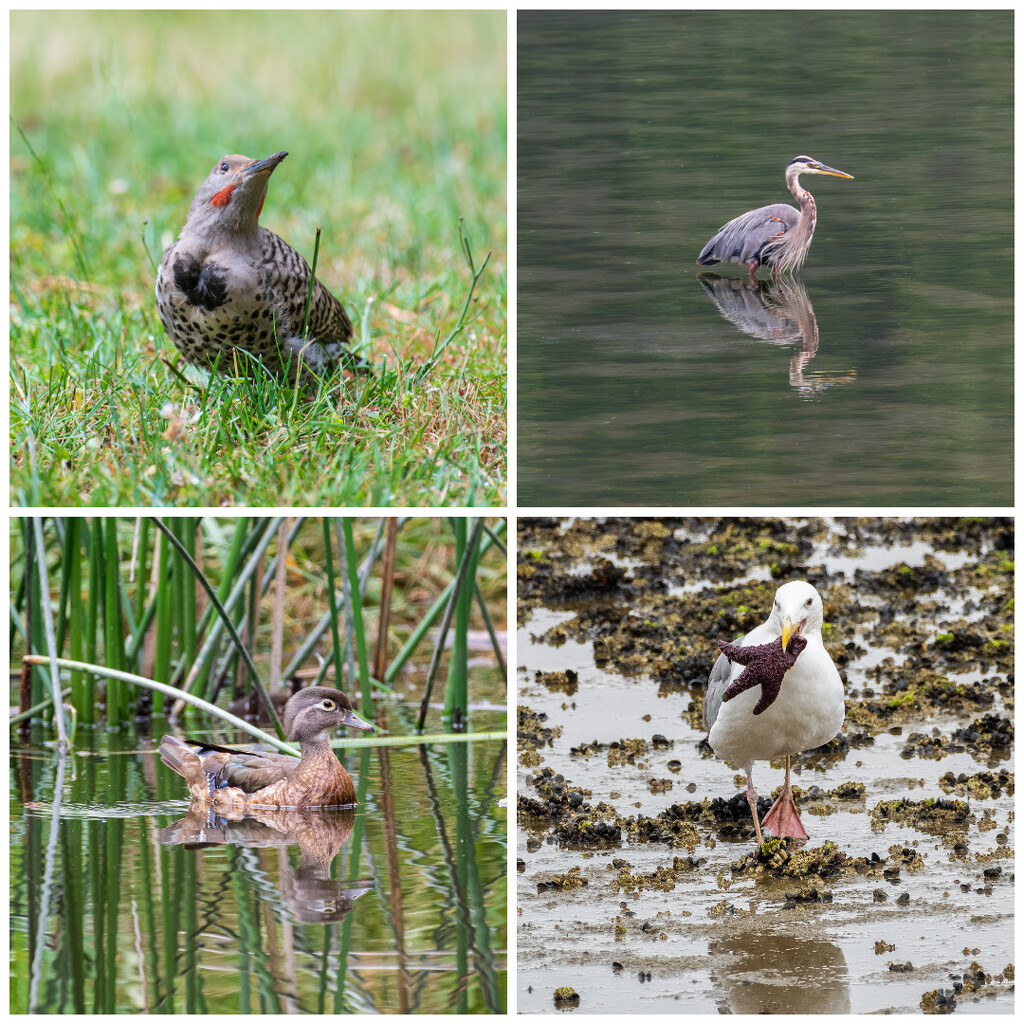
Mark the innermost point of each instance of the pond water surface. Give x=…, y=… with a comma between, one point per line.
x=884, y=377
x=124, y=900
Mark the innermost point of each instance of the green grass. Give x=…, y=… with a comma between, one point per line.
x=396, y=128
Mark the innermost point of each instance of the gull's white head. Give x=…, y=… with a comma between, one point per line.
x=797, y=610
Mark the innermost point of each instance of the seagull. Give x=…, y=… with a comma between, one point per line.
x=808, y=711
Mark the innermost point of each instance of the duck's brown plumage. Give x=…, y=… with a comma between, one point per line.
x=225, y=776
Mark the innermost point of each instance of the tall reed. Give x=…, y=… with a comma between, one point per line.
x=165, y=599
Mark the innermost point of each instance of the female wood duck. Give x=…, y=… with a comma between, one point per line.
x=227, y=777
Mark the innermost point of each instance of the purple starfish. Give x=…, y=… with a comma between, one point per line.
x=766, y=665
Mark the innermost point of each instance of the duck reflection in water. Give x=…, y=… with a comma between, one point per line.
x=312, y=896
x=229, y=778
x=780, y=312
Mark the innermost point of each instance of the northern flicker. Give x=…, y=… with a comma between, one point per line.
x=228, y=284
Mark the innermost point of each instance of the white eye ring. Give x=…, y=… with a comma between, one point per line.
x=327, y=704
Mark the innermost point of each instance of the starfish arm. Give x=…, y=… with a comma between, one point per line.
x=766, y=665
x=741, y=655
x=746, y=680
x=769, y=691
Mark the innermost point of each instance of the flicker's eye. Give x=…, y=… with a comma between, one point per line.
x=327, y=704
x=224, y=167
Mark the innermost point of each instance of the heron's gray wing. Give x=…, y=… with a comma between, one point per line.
x=718, y=683
x=744, y=237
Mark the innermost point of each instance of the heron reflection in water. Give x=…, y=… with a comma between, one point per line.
x=779, y=312
x=777, y=236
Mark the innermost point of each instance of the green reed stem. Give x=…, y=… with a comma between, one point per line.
x=333, y=608
x=486, y=615
x=76, y=615
x=356, y=607
x=228, y=625
x=428, y=620
x=49, y=631
x=164, y=623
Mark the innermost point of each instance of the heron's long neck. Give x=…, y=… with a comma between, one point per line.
x=808, y=209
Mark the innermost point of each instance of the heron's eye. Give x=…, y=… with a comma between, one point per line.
x=224, y=167
x=327, y=704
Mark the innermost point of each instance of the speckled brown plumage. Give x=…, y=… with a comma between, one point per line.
x=231, y=778
x=766, y=664
x=228, y=286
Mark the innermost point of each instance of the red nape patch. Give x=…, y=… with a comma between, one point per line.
x=223, y=197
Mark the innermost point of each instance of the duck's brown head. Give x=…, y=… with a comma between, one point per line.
x=316, y=711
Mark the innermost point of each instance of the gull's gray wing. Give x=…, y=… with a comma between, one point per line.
x=721, y=672
x=718, y=683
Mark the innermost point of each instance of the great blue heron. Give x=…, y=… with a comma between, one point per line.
x=776, y=236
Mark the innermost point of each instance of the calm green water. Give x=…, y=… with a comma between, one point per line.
x=399, y=907
x=886, y=378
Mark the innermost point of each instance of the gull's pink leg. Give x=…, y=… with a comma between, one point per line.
x=784, y=819
x=752, y=800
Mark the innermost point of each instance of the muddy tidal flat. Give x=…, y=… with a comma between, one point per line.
x=640, y=887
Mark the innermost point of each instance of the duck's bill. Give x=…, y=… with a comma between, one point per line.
x=353, y=721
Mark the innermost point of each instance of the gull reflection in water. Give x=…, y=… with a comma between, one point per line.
x=312, y=896
x=779, y=312
x=773, y=971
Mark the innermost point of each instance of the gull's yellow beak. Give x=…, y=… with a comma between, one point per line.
x=789, y=627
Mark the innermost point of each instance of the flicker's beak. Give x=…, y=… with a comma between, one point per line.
x=353, y=721
x=789, y=628
x=266, y=164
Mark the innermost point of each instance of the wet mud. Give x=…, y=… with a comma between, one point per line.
x=641, y=888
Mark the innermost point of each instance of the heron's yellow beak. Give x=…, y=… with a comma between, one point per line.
x=825, y=169
x=789, y=627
